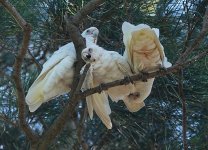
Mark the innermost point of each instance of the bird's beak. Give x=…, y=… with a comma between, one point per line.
x=86, y=56
x=94, y=33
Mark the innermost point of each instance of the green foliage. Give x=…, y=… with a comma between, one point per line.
x=156, y=126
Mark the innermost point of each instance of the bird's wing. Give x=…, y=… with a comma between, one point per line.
x=143, y=48
x=102, y=108
x=87, y=84
x=57, y=57
x=57, y=73
x=122, y=64
x=54, y=83
x=66, y=50
x=97, y=102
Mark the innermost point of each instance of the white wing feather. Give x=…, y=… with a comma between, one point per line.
x=97, y=102
x=57, y=73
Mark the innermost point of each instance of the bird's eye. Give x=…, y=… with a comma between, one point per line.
x=90, y=50
x=88, y=31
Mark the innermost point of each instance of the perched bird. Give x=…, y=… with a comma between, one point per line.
x=145, y=53
x=57, y=73
x=106, y=66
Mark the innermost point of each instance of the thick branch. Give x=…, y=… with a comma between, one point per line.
x=72, y=25
x=11, y=9
x=17, y=68
x=198, y=40
x=78, y=43
x=60, y=122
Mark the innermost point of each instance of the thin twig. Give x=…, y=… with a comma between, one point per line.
x=35, y=61
x=184, y=116
x=87, y=9
x=197, y=41
x=5, y=119
x=80, y=128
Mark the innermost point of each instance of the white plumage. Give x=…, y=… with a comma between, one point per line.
x=57, y=73
x=145, y=53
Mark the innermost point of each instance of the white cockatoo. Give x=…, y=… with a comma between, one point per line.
x=145, y=53
x=57, y=73
x=106, y=66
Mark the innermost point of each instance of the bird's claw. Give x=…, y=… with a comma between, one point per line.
x=100, y=88
x=134, y=96
x=162, y=68
x=128, y=80
x=143, y=76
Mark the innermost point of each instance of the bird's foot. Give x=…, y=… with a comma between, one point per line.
x=128, y=80
x=134, y=96
x=101, y=88
x=143, y=75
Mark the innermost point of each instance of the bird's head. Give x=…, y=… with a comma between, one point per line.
x=92, y=53
x=91, y=32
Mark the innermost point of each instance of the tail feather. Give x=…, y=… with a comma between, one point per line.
x=89, y=100
x=166, y=64
x=102, y=108
x=35, y=106
x=97, y=102
x=34, y=97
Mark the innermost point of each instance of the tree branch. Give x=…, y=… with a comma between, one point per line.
x=184, y=116
x=87, y=9
x=11, y=9
x=60, y=122
x=80, y=128
x=17, y=68
x=197, y=41
x=5, y=119
x=35, y=61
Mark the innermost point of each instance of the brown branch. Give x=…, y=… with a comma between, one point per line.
x=35, y=61
x=87, y=9
x=11, y=9
x=77, y=40
x=140, y=77
x=17, y=68
x=5, y=119
x=80, y=128
x=197, y=41
x=184, y=116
